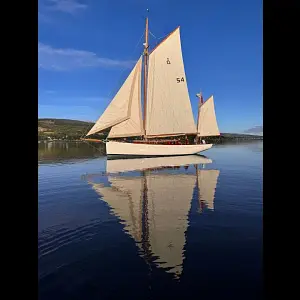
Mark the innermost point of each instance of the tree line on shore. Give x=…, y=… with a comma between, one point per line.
x=71, y=130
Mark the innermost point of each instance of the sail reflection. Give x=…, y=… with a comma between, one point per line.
x=207, y=182
x=154, y=206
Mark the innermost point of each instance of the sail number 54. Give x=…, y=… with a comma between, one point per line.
x=179, y=79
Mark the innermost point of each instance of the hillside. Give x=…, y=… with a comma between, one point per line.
x=62, y=128
x=73, y=130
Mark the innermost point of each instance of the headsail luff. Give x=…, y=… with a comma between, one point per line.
x=120, y=107
x=169, y=110
x=134, y=125
x=207, y=122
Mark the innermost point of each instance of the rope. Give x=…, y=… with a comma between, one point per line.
x=157, y=39
x=152, y=34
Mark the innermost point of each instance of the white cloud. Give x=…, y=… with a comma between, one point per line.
x=58, y=59
x=66, y=6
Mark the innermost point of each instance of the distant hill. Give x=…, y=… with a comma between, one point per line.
x=62, y=128
x=75, y=129
x=258, y=130
x=239, y=135
x=64, y=122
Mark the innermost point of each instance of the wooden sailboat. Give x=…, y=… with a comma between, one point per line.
x=156, y=128
x=154, y=208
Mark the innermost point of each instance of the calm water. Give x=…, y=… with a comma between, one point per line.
x=133, y=229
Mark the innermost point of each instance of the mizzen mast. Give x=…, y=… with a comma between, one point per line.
x=200, y=97
x=146, y=54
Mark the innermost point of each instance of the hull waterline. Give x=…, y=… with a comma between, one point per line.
x=120, y=149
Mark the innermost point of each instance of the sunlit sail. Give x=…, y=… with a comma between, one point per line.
x=160, y=122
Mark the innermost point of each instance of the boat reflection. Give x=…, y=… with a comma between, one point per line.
x=126, y=165
x=154, y=206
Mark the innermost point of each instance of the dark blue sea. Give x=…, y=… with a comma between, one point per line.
x=161, y=228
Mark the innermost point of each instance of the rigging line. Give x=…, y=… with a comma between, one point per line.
x=158, y=39
x=121, y=74
x=152, y=34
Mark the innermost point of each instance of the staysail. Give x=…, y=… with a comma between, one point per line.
x=169, y=110
x=125, y=103
x=207, y=122
x=134, y=125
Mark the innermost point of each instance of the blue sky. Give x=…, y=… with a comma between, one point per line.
x=86, y=48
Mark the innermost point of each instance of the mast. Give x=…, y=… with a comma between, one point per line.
x=197, y=188
x=146, y=53
x=145, y=225
x=200, y=97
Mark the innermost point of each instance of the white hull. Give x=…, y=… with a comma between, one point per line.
x=131, y=149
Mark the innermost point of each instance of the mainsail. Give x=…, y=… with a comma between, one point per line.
x=207, y=122
x=169, y=110
x=124, y=107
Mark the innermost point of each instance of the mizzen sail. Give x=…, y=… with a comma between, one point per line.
x=207, y=122
x=120, y=108
x=169, y=110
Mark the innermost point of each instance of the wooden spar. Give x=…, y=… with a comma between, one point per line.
x=92, y=140
x=199, y=105
x=146, y=52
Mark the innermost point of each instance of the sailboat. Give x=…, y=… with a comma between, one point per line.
x=154, y=208
x=163, y=124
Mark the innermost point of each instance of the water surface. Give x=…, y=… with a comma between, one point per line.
x=172, y=228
